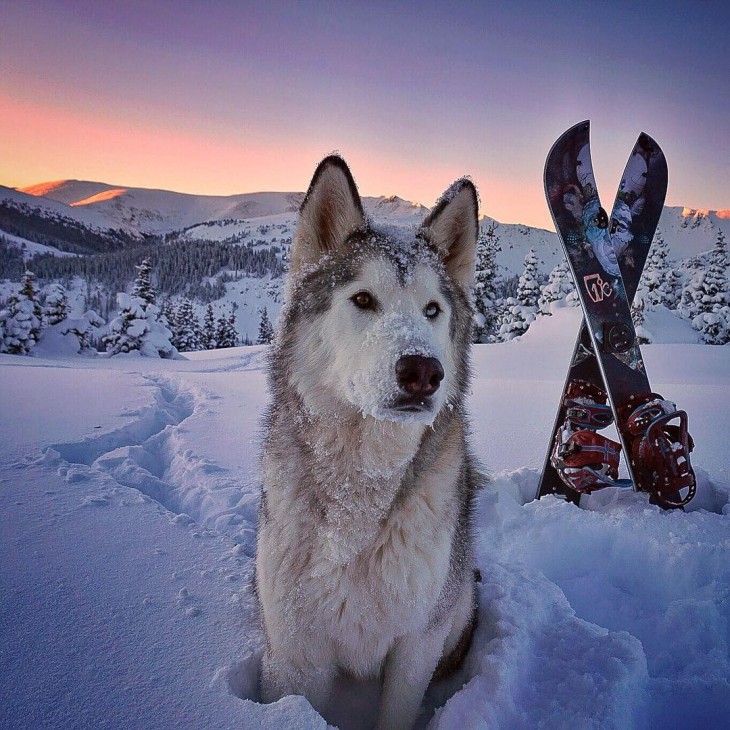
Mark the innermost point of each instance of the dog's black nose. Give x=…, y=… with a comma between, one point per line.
x=419, y=375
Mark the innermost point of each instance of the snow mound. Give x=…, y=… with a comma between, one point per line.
x=128, y=508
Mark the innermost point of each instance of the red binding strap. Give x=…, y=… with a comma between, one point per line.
x=661, y=460
x=586, y=461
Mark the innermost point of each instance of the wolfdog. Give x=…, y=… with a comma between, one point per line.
x=365, y=562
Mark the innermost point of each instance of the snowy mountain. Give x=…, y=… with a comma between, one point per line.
x=690, y=231
x=139, y=211
x=51, y=207
x=162, y=211
x=394, y=208
x=27, y=219
x=686, y=233
x=90, y=217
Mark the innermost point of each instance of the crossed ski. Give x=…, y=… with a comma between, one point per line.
x=607, y=257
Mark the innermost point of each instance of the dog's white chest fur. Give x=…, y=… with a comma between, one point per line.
x=370, y=557
x=382, y=557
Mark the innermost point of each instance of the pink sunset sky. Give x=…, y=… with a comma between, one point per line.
x=231, y=97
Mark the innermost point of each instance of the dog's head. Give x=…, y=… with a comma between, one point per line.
x=376, y=317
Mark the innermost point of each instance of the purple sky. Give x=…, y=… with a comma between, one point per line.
x=227, y=97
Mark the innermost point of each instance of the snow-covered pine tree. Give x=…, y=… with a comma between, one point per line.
x=56, y=307
x=156, y=343
x=221, y=332
x=167, y=314
x=226, y=334
x=528, y=286
x=83, y=329
x=656, y=286
x=714, y=326
x=128, y=328
x=143, y=288
x=521, y=310
x=20, y=326
x=137, y=328
x=638, y=307
x=4, y=328
x=266, y=329
x=515, y=321
x=207, y=340
x=558, y=287
x=719, y=253
x=486, y=296
x=23, y=319
x=30, y=292
x=689, y=303
x=676, y=277
x=713, y=303
x=232, y=325
x=185, y=327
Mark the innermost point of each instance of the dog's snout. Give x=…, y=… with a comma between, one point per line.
x=419, y=375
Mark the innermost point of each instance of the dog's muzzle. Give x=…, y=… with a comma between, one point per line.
x=418, y=378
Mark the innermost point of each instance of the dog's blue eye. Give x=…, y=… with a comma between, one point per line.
x=364, y=300
x=432, y=310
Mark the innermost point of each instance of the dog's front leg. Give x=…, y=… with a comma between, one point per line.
x=408, y=670
x=281, y=676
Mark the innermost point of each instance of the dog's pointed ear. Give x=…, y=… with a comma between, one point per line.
x=331, y=211
x=452, y=227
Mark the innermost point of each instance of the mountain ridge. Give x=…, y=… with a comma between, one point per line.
x=139, y=212
x=94, y=195
x=152, y=210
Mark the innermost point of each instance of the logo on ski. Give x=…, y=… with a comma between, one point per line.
x=597, y=288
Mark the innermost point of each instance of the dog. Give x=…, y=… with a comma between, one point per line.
x=365, y=561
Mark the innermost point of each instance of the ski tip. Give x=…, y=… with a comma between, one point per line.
x=657, y=164
x=564, y=142
x=648, y=143
x=582, y=128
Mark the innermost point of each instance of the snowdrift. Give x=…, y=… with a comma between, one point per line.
x=128, y=503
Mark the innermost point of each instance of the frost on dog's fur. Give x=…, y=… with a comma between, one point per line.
x=334, y=244
x=330, y=212
x=364, y=561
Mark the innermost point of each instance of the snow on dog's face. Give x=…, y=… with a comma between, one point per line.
x=378, y=318
x=383, y=343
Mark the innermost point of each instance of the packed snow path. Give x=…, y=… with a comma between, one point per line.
x=128, y=496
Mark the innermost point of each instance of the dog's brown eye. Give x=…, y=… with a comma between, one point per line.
x=363, y=300
x=432, y=310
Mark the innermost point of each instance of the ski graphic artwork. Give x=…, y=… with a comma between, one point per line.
x=646, y=160
x=607, y=380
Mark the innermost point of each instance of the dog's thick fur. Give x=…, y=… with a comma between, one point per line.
x=364, y=563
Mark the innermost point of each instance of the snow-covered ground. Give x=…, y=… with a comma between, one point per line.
x=128, y=500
